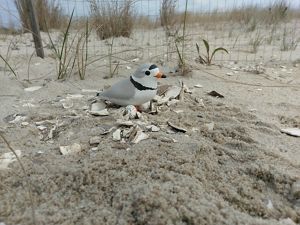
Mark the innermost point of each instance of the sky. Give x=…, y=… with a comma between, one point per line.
x=9, y=15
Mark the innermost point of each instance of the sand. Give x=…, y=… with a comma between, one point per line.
x=243, y=171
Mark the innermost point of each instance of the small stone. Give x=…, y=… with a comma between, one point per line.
x=229, y=74
x=117, y=135
x=94, y=140
x=70, y=149
x=128, y=67
x=295, y=190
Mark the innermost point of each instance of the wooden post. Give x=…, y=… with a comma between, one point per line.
x=35, y=29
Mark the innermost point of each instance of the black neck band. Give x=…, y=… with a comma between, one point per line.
x=140, y=86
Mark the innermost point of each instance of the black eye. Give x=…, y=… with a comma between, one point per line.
x=147, y=72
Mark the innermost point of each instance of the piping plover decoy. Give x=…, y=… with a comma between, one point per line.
x=136, y=90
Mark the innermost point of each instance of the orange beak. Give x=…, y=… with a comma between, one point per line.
x=160, y=75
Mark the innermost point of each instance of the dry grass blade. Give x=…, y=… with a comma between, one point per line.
x=26, y=175
x=6, y=63
x=62, y=54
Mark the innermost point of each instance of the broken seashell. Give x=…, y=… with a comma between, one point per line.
x=67, y=103
x=176, y=128
x=127, y=123
x=105, y=129
x=74, y=96
x=291, y=131
x=172, y=102
x=145, y=107
x=51, y=132
x=117, y=135
x=186, y=89
x=198, y=86
x=215, y=94
x=18, y=119
x=153, y=128
x=33, y=88
x=98, y=109
x=24, y=124
x=7, y=158
x=103, y=112
x=70, y=149
x=41, y=127
x=139, y=136
x=162, y=89
x=172, y=92
x=210, y=126
x=94, y=140
x=89, y=91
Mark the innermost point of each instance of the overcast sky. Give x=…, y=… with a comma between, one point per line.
x=8, y=13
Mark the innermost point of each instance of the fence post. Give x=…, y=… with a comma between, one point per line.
x=35, y=29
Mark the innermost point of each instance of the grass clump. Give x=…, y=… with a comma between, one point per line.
x=289, y=40
x=112, y=18
x=168, y=17
x=207, y=59
x=256, y=42
x=48, y=12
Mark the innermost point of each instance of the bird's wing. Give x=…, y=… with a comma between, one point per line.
x=123, y=89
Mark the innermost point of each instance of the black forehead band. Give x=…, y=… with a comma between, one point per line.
x=153, y=67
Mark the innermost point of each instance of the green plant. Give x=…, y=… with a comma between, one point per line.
x=82, y=51
x=207, y=59
x=112, y=70
x=66, y=60
x=179, y=41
